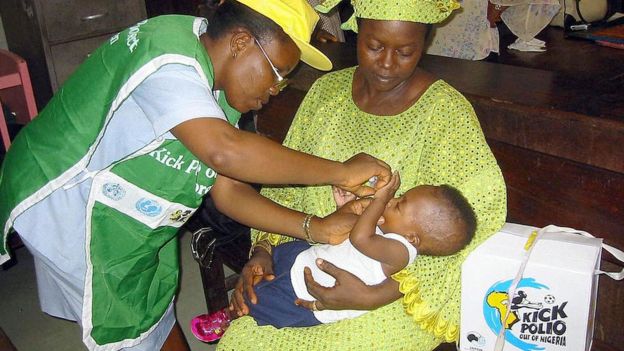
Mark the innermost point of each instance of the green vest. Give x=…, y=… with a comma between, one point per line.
x=136, y=205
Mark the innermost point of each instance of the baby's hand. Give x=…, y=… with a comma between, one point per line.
x=386, y=193
x=342, y=196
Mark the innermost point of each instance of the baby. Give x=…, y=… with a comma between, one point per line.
x=427, y=219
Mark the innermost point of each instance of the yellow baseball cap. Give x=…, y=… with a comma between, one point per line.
x=298, y=19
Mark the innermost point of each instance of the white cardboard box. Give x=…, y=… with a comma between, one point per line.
x=554, y=304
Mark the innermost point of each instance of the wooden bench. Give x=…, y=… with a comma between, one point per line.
x=555, y=133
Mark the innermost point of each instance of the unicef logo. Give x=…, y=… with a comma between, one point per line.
x=148, y=207
x=113, y=191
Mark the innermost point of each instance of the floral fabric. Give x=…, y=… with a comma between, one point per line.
x=467, y=34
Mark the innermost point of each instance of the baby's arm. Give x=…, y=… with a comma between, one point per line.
x=391, y=253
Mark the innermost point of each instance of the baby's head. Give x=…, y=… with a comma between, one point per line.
x=437, y=220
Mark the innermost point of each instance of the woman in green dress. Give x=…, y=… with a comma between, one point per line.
x=99, y=183
x=391, y=108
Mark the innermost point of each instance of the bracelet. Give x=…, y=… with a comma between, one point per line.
x=263, y=244
x=306, y=229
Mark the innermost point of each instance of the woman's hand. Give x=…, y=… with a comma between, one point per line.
x=348, y=293
x=258, y=268
x=335, y=228
x=359, y=169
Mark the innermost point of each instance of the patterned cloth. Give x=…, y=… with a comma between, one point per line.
x=437, y=140
x=467, y=33
x=422, y=11
x=525, y=18
x=329, y=22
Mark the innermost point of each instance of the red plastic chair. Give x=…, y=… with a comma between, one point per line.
x=15, y=91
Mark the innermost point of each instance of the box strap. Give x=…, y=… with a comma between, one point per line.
x=528, y=248
x=617, y=253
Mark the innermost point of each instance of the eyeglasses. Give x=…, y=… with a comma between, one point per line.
x=281, y=81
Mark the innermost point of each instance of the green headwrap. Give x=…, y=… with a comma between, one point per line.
x=421, y=11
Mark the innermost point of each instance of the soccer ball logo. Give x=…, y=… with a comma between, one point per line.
x=549, y=299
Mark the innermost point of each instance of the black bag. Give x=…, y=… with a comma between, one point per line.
x=224, y=228
x=212, y=229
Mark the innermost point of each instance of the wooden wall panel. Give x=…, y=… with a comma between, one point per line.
x=543, y=189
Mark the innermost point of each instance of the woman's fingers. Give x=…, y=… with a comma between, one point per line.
x=257, y=279
x=382, y=178
x=249, y=280
x=315, y=289
x=330, y=269
x=251, y=275
x=325, y=296
x=311, y=305
x=258, y=268
x=357, y=206
x=362, y=167
x=237, y=301
x=244, y=286
x=341, y=295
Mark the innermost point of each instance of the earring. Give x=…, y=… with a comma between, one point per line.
x=234, y=55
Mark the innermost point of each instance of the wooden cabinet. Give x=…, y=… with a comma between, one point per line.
x=55, y=36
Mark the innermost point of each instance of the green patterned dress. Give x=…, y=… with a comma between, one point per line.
x=438, y=140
